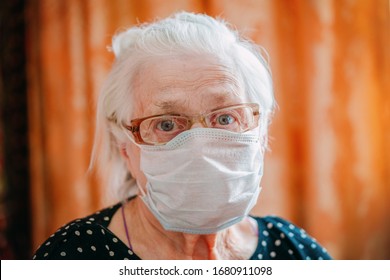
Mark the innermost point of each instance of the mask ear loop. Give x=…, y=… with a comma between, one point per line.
x=126, y=132
x=143, y=193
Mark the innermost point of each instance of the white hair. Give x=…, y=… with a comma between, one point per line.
x=183, y=32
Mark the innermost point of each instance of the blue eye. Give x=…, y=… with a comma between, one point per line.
x=166, y=125
x=225, y=119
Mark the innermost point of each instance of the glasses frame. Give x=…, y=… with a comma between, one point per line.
x=135, y=124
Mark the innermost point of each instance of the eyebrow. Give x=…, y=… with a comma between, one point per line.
x=168, y=106
x=173, y=106
x=221, y=99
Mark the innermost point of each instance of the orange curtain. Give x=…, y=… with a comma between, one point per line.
x=329, y=166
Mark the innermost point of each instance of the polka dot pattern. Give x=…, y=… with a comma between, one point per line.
x=282, y=240
x=90, y=239
x=87, y=238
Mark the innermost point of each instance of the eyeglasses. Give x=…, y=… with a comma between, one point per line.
x=160, y=129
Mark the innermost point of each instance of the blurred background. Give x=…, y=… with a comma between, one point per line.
x=328, y=169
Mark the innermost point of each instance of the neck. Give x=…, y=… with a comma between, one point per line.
x=158, y=243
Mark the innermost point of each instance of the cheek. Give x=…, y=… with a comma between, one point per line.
x=133, y=163
x=133, y=159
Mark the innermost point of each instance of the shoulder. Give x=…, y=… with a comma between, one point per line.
x=282, y=239
x=86, y=238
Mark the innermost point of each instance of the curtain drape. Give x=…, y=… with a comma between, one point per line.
x=328, y=168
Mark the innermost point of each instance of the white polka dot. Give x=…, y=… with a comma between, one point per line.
x=47, y=243
x=67, y=227
x=300, y=246
x=308, y=258
x=272, y=254
x=103, y=232
x=34, y=257
x=64, y=233
x=111, y=253
x=106, y=218
x=89, y=232
x=63, y=254
x=278, y=242
x=130, y=252
x=303, y=235
x=291, y=226
x=260, y=256
x=263, y=243
x=52, y=235
x=324, y=250
x=270, y=225
x=78, y=220
x=88, y=222
x=320, y=258
x=282, y=235
x=279, y=225
x=92, y=219
x=291, y=234
x=265, y=233
x=290, y=252
x=64, y=240
x=313, y=245
x=77, y=233
x=93, y=248
x=108, y=248
x=115, y=240
x=80, y=249
x=126, y=259
x=46, y=254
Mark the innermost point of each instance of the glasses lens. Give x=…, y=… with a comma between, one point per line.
x=236, y=119
x=160, y=130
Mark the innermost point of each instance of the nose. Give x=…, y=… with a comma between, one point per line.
x=196, y=124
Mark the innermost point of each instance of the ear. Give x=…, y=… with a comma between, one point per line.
x=125, y=156
x=123, y=151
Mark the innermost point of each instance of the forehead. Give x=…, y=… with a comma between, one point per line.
x=185, y=82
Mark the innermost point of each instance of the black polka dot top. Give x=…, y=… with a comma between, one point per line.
x=90, y=239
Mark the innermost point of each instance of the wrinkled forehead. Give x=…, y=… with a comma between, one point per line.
x=193, y=74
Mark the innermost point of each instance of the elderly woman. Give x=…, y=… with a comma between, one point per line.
x=182, y=121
